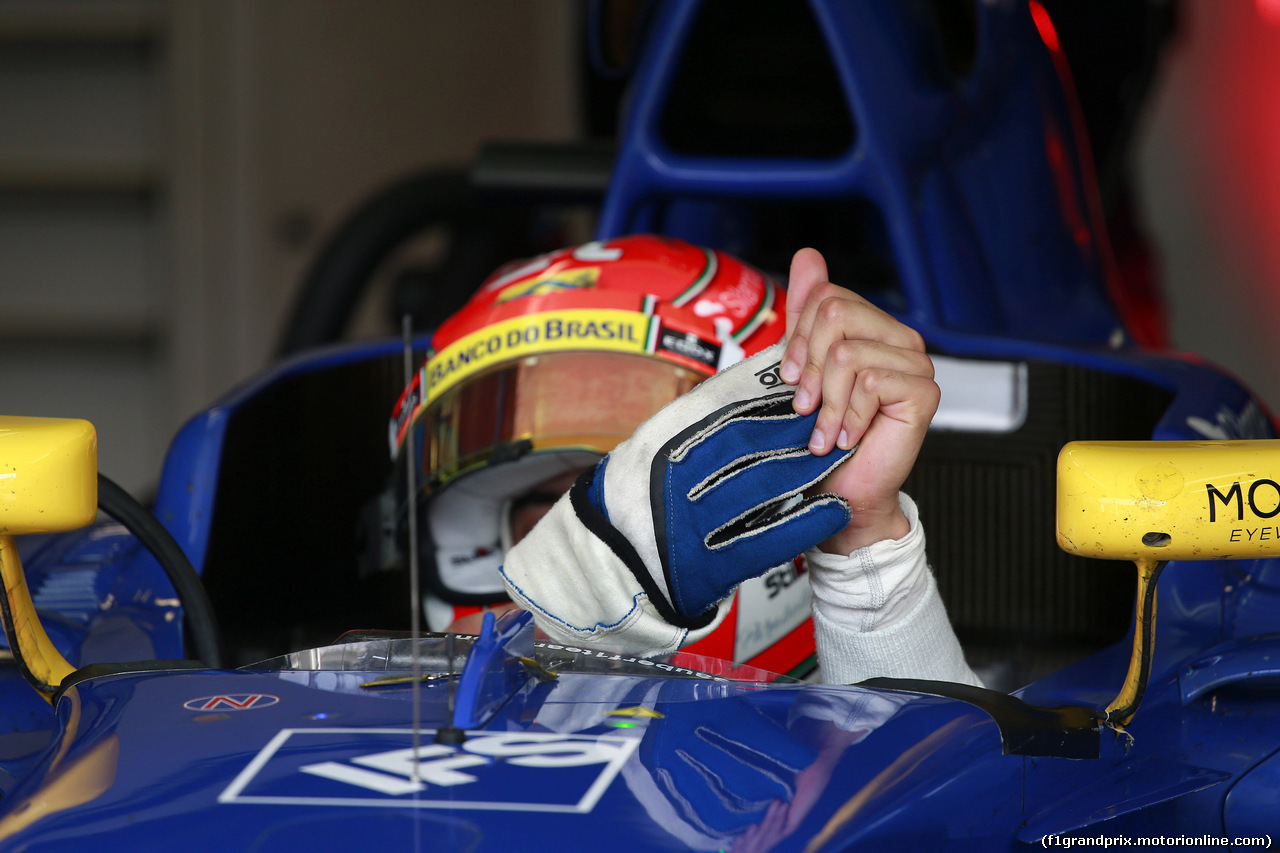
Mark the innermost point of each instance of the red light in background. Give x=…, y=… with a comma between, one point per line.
x=1080, y=205
x=1050, y=36
x=1224, y=113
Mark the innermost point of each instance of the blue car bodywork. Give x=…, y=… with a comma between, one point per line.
x=528, y=747
x=156, y=755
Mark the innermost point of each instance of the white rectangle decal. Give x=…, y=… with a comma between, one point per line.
x=503, y=771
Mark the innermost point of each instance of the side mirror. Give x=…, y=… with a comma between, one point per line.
x=48, y=475
x=48, y=484
x=1155, y=501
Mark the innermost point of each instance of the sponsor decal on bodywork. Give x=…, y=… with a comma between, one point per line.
x=503, y=771
x=769, y=608
x=231, y=702
x=1248, y=423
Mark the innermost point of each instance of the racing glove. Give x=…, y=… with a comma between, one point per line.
x=644, y=550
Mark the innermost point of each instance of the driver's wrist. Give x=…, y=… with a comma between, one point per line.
x=874, y=587
x=868, y=526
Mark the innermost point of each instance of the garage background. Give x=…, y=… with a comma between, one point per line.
x=168, y=169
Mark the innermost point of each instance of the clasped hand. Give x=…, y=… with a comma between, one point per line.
x=868, y=376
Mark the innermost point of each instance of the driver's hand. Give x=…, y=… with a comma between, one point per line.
x=874, y=383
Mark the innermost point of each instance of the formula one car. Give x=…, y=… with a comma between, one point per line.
x=527, y=745
x=1126, y=725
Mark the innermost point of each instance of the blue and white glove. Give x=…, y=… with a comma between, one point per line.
x=642, y=553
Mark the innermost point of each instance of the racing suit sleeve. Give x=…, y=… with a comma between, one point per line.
x=877, y=612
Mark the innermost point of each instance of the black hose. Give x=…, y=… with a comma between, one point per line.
x=120, y=505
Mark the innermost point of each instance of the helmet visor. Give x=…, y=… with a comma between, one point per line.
x=548, y=402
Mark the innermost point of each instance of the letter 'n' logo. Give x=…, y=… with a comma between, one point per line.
x=1233, y=492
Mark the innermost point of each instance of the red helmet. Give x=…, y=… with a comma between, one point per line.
x=551, y=364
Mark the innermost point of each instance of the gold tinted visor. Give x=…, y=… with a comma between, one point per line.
x=554, y=401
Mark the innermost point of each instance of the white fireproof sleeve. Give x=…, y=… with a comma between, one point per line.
x=877, y=612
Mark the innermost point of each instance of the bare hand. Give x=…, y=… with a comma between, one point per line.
x=874, y=383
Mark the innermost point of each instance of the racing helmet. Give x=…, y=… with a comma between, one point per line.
x=552, y=363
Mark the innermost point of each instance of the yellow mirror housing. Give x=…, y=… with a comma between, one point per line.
x=1155, y=501
x=1169, y=500
x=48, y=475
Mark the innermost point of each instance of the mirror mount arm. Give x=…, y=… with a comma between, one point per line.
x=41, y=663
x=1121, y=710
